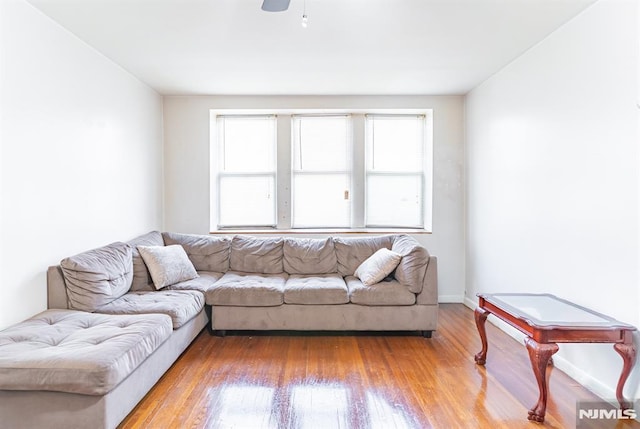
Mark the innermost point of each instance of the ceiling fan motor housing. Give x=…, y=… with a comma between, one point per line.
x=275, y=5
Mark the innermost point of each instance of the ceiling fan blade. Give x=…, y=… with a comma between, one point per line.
x=275, y=5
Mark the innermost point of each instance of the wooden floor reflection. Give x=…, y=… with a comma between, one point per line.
x=356, y=381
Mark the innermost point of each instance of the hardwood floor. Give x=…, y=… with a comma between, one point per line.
x=357, y=381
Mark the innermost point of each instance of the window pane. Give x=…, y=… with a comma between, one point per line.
x=395, y=146
x=394, y=200
x=247, y=201
x=319, y=200
x=395, y=143
x=248, y=144
x=321, y=143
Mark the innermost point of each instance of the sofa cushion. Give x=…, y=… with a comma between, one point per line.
x=383, y=293
x=247, y=289
x=202, y=283
x=316, y=289
x=207, y=253
x=77, y=352
x=309, y=256
x=180, y=305
x=256, y=255
x=351, y=252
x=413, y=265
x=97, y=277
x=141, y=277
x=377, y=266
x=167, y=264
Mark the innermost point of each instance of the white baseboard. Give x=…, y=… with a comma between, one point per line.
x=448, y=299
x=470, y=302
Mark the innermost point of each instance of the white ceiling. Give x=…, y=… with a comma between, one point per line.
x=350, y=46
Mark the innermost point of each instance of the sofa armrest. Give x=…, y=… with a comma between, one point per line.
x=56, y=288
x=429, y=294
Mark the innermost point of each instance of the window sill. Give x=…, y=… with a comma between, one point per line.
x=322, y=231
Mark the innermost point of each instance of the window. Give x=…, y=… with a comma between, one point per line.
x=321, y=172
x=334, y=169
x=246, y=171
x=395, y=171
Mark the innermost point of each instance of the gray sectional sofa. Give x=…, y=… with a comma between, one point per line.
x=120, y=315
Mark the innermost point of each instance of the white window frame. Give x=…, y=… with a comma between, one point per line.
x=220, y=173
x=284, y=180
x=420, y=174
x=301, y=172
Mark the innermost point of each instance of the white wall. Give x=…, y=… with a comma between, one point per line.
x=81, y=154
x=552, y=178
x=186, y=130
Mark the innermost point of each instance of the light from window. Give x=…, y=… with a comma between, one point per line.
x=395, y=164
x=321, y=175
x=246, y=171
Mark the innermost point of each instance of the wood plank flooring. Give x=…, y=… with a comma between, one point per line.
x=357, y=381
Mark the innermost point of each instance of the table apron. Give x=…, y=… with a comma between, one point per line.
x=560, y=335
x=578, y=336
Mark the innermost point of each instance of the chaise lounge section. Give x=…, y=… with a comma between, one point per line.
x=73, y=369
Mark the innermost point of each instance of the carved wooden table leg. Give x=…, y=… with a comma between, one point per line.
x=628, y=353
x=539, y=355
x=481, y=318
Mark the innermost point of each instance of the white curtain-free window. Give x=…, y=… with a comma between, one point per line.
x=331, y=169
x=321, y=171
x=246, y=179
x=395, y=171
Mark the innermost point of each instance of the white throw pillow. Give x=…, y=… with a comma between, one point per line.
x=377, y=266
x=167, y=265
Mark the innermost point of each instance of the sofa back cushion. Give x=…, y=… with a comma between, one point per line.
x=141, y=277
x=413, y=265
x=309, y=256
x=351, y=252
x=99, y=276
x=207, y=253
x=256, y=254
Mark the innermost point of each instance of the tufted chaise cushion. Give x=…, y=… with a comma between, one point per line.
x=180, y=305
x=77, y=352
x=96, y=277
